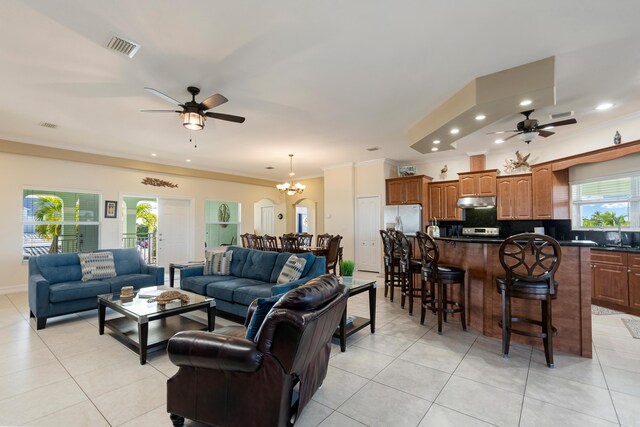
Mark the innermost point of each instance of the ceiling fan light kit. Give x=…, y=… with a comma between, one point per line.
x=289, y=188
x=193, y=121
x=528, y=129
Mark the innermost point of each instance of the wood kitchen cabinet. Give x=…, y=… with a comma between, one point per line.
x=615, y=280
x=408, y=190
x=443, y=199
x=514, y=197
x=482, y=183
x=550, y=192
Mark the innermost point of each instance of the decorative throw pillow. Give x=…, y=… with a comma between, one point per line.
x=97, y=265
x=260, y=313
x=292, y=269
x=217, y=263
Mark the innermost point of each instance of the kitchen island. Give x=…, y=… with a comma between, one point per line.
x=571, y=310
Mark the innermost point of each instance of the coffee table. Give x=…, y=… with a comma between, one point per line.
x=357, y=286
x=135, y=326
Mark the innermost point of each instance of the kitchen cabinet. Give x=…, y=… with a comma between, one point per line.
x=550, y=192
x=408, y=190
x=615, y=277
x=443, y=199
x=514, y=197
x=482, y=183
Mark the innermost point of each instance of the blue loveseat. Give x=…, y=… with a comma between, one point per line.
x=56, y=286
x=254, y=274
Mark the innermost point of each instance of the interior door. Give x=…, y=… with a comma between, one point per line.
x=368, y=234
x=175, y=231
x=267, y=220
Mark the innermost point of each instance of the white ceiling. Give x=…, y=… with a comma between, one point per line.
x=323, y=80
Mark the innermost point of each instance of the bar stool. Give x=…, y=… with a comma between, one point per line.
x=409, y=266
x=439, y=276
x=530, y=262
x=391, y=262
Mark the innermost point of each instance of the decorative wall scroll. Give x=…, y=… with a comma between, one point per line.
x=158, y=182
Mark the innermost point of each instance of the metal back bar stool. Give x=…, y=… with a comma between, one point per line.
x=439, y=276
x=530, y=262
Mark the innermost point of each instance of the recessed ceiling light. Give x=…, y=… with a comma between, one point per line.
x=434, y=149
x=499, y=141
x=455, y=131
x=153, y=154
x=604, y=106
x=480, y=117
x=188, y=160
x=437, y=141
x=526, y=102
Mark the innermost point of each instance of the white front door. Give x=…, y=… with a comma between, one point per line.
x=367, y=233
x=267, y=220
x=175, y=231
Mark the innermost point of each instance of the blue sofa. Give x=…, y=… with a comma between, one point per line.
x=56, y=286
x=254, y=274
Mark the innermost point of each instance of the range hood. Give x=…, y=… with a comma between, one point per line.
x=477, y=202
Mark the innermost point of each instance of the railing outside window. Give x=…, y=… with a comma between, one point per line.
x=146, y=243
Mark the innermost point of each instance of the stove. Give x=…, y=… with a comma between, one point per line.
x=481, y=231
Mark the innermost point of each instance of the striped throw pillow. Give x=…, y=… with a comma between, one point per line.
x=218, y=263
x=97, y=265
x=292, y=269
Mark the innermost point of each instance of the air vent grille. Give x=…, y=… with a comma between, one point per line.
x=48, y=125
x=373, y=149
x=561, y=115
x=123, y=46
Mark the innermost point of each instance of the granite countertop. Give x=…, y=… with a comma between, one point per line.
x=583, y=243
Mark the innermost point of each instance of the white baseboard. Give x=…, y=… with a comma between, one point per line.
x=13, y=289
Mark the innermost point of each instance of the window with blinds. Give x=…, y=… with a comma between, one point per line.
x=222, y=223
x=59, y=221
x=606, y=203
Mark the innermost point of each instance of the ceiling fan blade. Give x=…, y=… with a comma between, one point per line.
x=213, y=101
x=560, y=123
x=227, y=117
x=160, y=111
x=502, y=131
x=162, y=95
x=514, y=135
x=545, y=133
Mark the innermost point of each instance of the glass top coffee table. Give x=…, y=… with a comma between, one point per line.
x=134, y=325
x=357, y=286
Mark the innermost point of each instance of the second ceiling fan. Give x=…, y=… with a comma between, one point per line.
x=195, y=113
x=528, y=129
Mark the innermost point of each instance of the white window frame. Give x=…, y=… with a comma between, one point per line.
x=238, y=222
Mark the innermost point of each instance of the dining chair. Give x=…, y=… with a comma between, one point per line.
x=333, y=252
x=322, y=241
x=304, y=239
x=270, y=243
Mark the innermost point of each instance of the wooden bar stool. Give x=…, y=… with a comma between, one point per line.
x=409, y=266
x=530, y=262
x=391, y=263
x=439, y=276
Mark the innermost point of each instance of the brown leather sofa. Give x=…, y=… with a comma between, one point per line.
x=227, y=380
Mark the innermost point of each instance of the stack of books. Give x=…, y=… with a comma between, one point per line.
x=350, y=320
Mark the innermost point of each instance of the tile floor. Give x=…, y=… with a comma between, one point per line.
x=403, y=375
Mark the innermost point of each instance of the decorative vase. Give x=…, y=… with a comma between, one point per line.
x=347, y=280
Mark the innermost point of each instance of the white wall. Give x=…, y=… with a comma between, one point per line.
x=19, y=172
x=339, y=205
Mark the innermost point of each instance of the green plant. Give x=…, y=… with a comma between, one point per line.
x=346, y=267
x=605, y=219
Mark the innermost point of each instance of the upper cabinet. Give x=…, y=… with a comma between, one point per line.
x=550, y=192
x=514, y=197
x=443, y=198
x=482, y=183
x=408, y=190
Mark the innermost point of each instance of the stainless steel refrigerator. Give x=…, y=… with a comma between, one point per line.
x=406, y=218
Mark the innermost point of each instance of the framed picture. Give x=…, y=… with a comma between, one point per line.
x=110, y=209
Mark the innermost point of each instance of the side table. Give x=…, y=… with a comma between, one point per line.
x=180, y=266
x=357, y=286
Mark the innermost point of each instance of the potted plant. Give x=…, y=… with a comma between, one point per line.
x=346, y=270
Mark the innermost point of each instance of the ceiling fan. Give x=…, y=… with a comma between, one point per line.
x=528, y=129
x=195, y=113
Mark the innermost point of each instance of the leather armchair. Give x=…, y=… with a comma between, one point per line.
x=227, y=380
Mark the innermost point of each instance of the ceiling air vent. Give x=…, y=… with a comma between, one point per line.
x=123, y=46
x=561, y=115
x=48, y=125
x=373, y=149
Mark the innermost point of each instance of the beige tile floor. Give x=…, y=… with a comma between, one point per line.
x=403, y=375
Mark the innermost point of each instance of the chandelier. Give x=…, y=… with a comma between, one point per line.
x=288, y=187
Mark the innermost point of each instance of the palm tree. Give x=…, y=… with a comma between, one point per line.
x=148, y=218
x=49, y=210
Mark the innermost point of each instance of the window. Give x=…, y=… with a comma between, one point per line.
x=606, y=203
x=222, y=223
x=57, y=221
